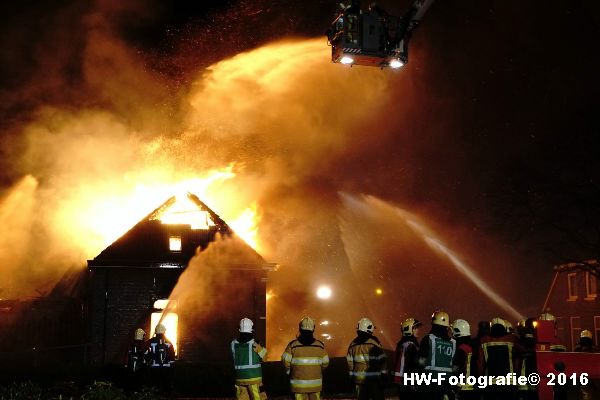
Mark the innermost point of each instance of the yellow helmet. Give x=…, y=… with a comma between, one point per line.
x=585, y=334
x=408, y=325
x=522, y=323
x=139, y=334
x=440, y=318
x=307, y=324
x=499, y=321
x=509, y=326
x=365, y=325
x=547, y=317
x=160, y=329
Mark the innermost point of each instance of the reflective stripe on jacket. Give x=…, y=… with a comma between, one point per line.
x=304, y=364
x=366, y=360
x=499, y=355
x=437, y=353
x=405, y=359
x=246, y=361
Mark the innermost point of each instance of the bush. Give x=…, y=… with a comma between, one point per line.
x=103, y=391
x=22, y=391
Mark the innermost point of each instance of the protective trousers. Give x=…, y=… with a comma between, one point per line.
x=307, y=396
x=247, y=392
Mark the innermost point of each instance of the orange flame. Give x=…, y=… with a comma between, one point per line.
x=246, y=225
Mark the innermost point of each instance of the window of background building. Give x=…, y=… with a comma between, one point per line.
x=165, y=315
x=591, y=286
x=572, y=282
x=575, y=331
x=563, y=329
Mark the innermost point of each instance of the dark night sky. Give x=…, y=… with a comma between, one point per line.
x=499, y=130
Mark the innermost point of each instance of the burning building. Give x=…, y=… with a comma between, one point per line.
x=181, y=265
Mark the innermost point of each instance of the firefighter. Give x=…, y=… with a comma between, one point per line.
x=135, y=353
x=498, y=356
x=463, y=362
x=526, y=339
x=586, y=343
x=135, y=362
x=509, y=327
x=436, y=353
x=247, y=358
x=304, y=360
x=160, y=355
x=405, y=357
x=366, y=362
x=483, y=330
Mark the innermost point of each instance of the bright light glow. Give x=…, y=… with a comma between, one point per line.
x=378, y=292
x=347, y=60
x=324, y=292
x=395, y=63
x=324, y=323
x=185, y=211
x=163, y=303
x=269, y=295
x=175, y=243
x=326, y=336
x=170, y=321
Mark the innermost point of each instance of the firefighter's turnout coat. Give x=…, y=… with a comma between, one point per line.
x=366, y=360
x=304, y=362
x=160, y=352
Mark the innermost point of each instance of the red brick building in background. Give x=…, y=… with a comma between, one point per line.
x=573, y=299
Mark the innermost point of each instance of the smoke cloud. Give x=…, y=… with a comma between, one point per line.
x=115, y=137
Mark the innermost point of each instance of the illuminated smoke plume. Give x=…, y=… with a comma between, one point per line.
x=282, y=128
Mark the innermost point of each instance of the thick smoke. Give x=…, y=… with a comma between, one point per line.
x=298, y=128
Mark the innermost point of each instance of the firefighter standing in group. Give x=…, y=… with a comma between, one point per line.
x=304, y=360
x=586, y=345
x=160, y=355
x=247, y=358
x=463, y=362
x=366, y=362
x=498, y=356
x=135, y=353
x=436, y=352
x=135, y=360
x=405, y=358
x=526, y=339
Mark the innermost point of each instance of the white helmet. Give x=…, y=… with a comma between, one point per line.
x=160, y=329
x=461, y=328
x=307, y=324
x=365, y=325
x=499, y=321
x=246, y=325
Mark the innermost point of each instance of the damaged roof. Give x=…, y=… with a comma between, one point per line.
x=171, y=235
